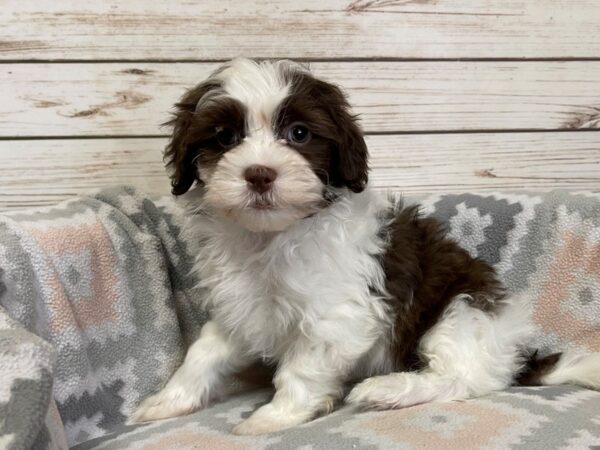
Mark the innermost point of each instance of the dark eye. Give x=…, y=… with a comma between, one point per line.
x=298, y=133
x=227, y=138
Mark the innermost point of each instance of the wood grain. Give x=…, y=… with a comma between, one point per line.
x=221, y=29
x=133, y=99
x=40, y=172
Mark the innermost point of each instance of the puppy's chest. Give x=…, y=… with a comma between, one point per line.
x=276, y=280
x=263, y=294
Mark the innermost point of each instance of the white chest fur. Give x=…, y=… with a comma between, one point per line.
x=265, y=288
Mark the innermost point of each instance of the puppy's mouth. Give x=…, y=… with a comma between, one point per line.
x=261, y=204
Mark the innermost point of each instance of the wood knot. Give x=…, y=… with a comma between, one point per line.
x=486, y=173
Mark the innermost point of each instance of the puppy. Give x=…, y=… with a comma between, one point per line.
x=305, y=267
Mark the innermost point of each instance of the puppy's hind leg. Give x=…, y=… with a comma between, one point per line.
x=206, y=363
x=469, y=353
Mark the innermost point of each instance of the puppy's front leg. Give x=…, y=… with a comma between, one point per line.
x=206, y=363
x=308, y=382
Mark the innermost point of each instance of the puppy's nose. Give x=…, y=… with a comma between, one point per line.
x=260, y=178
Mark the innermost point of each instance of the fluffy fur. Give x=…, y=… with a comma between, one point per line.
x=319, y=275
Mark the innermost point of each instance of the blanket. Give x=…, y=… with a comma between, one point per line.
x=100, y=288
x=99, y=304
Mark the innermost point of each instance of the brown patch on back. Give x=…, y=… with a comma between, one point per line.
x=424, y=272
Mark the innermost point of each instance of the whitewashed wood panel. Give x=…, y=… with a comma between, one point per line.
x=40, y=172
x=133, y=99
x=209, y=29
x=483, y=162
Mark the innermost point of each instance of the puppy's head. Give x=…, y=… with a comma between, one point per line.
x=269, y=142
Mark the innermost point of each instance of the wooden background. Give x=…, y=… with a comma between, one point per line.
x=454, y=95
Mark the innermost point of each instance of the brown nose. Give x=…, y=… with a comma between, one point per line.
x=260, y=178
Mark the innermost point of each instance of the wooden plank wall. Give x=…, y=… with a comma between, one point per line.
x=453, y=95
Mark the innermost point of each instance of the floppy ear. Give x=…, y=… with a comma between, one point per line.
x=178, y=155
x=353, y=164
x=350, y=162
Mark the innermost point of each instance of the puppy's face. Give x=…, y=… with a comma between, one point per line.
x=269, y=143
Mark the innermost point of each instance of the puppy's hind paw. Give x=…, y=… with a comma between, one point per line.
x=375, y=393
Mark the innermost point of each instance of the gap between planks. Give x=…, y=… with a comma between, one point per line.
x=516, y=59
x=366, y=134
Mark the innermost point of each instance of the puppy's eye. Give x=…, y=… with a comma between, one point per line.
x=227, y=138
x=298, y=134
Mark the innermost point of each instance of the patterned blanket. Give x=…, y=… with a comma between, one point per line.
x=97, y=305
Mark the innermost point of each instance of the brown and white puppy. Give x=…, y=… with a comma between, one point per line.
x=306, y=268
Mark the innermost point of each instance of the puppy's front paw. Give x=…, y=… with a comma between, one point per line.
x=267, y=420
x=166, y=404
x=253, y=426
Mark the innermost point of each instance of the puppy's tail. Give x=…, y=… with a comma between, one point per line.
x=561, y=368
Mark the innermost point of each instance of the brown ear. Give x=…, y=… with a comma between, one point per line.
x=352, y=154
x=350, y=162
x=178, y=155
